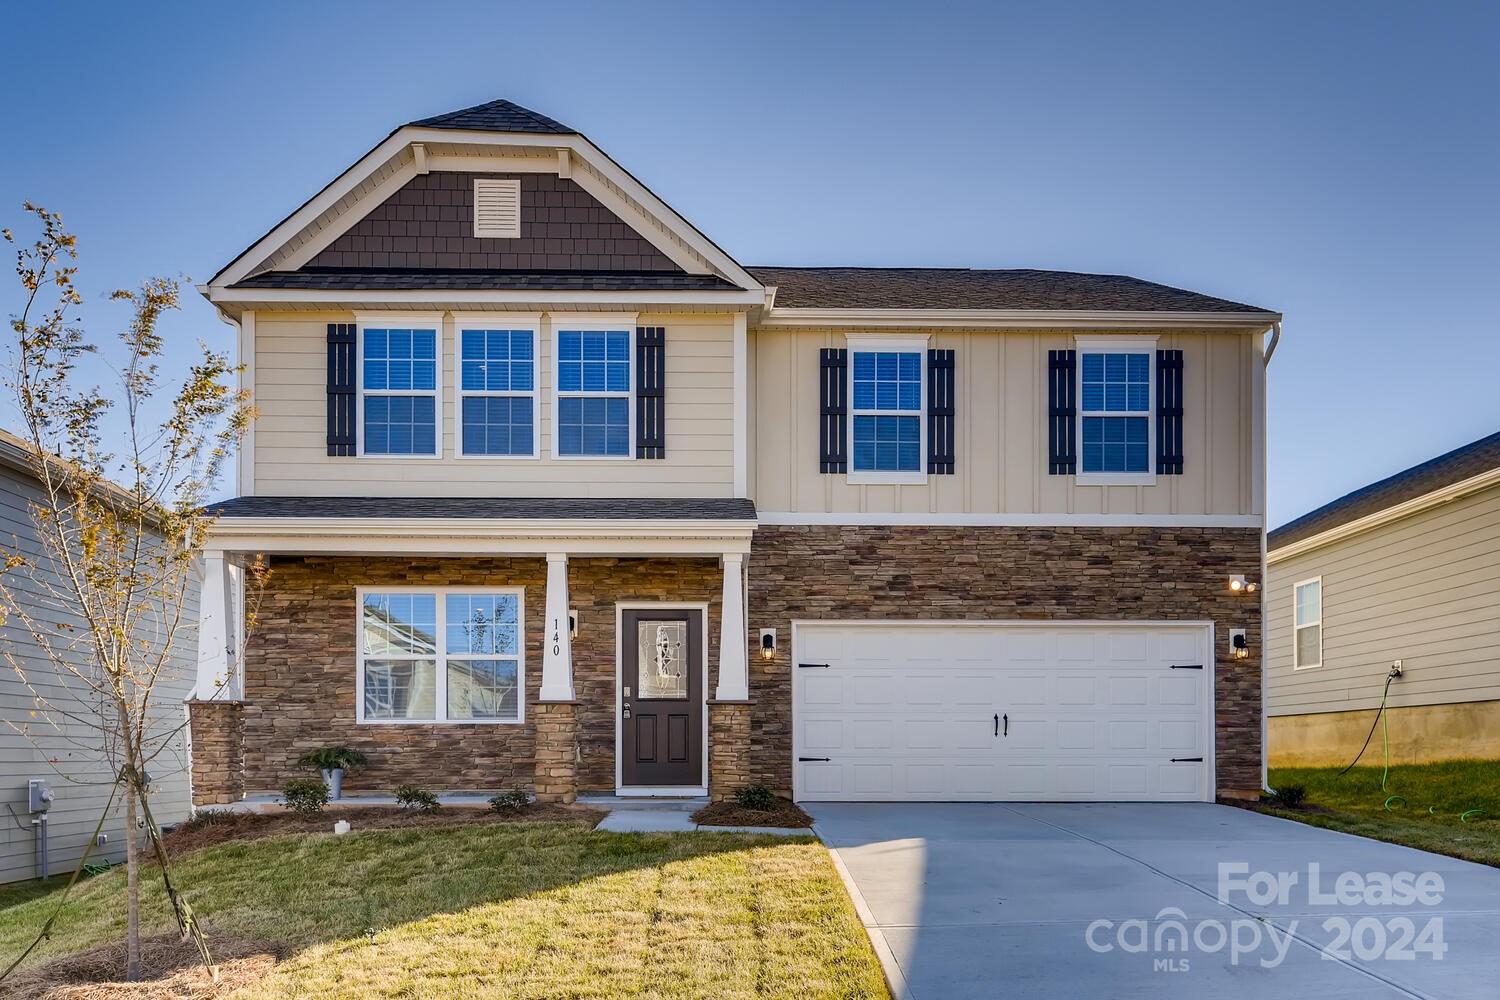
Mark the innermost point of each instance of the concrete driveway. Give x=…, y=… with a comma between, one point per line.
x=1067, y=900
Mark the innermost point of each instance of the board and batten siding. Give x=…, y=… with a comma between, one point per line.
x=30, y=745
x=1424, y=589
x=1001, y=383
x=291, y=459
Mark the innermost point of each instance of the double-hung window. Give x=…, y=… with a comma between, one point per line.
x=399, y=388
x=438, y=656
x=594, y=379
x=497, y=391
x=1115, y=410
x=1307, y=644
x=887, y=400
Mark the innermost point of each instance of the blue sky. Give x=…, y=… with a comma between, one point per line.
x=1334, y=161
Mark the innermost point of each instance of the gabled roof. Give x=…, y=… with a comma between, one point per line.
x=969, y=288
x=497, y=116
x=1454, y=467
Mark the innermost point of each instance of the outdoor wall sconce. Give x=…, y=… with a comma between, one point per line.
x=768, y=644
x=1238, y=644
x=572, y=624
x=1239, y=585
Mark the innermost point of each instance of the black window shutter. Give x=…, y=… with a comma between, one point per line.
x=941, y=419
x=342, y=385
x=1062, y=433
x=1169, y=413
x=650, y=392
x=833, y=409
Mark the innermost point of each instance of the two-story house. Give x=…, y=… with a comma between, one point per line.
x=557, y=494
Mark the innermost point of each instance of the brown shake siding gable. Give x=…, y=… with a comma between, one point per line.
x=429, y=223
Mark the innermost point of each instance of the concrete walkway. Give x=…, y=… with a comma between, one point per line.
x=988, y=900
x=648, y=815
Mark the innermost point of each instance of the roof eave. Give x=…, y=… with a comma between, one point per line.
x=1018, y=318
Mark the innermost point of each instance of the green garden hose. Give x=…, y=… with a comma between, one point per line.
x=1392, y=800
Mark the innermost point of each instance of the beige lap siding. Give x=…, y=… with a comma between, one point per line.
x=1113, y=574
x=300, y=669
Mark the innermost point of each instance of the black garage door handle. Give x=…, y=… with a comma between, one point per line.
x=824, y=759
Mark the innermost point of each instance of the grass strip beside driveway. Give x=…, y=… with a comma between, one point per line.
x=1435, y=796
x=531, y=910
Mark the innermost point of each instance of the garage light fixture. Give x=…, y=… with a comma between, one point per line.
x=768, y=644
x=1239, y=585
x=1239, y=644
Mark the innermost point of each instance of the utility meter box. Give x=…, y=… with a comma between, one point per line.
x=38, y=795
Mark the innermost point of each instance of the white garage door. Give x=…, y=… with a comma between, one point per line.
x=985, y=712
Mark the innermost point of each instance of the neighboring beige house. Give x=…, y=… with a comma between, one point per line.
x=57, y=746
x=558, y=494
x=1405, y=569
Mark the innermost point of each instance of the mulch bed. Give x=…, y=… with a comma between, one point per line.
x=171, y=969
x=786, y=814
x=223, y=827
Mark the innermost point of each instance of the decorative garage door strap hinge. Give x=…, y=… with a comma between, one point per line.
x=823, y=759
x=1187, y=760
x=812, y=666
x=1187, y=666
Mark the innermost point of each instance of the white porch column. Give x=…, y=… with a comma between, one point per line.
x=217, y=676
x=557, y=649
x=734, y=670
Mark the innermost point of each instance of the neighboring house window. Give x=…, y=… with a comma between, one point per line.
x=1114, y=412
x=440, y=656
x=497, y=392
x=887, y=426
x=398, y=389
x=1308, y=641
x=593, y=393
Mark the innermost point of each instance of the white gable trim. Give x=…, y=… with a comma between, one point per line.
x=589, y=166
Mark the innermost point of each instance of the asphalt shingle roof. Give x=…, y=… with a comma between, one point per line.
x=497, y=116
x=967, y=288
x=1445, y=470
x=519, y=508
x=395, y=280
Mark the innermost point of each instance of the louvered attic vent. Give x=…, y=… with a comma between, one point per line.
x=497, y=208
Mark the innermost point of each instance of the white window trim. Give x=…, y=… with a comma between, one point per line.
x=897, y=344
x=590, y=324
x=1115, y=345
x=1297, y=628
x=497, y=321
x=414, y=321
x=440, y=656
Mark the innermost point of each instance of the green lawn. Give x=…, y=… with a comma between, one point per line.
x=1436, y=795
x=525, y=910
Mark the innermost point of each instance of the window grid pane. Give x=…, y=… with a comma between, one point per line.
x=473, y=674
x=497, y=382
x=1115, y=444
x=399, y=383
x=1116, y=383
x=593, y=383
x=886, y=384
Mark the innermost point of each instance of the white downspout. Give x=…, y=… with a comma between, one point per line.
x=1265, y=757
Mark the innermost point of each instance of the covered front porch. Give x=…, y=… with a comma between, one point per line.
x=610, y=653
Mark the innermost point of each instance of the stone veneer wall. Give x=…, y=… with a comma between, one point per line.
x=729, y=765
x=300, y=665
x=216, y=729
x=850, y=572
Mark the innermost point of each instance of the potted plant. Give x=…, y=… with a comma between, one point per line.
x=334, y=762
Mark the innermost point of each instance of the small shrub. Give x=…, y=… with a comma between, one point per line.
x=332, y=758
x=756, y=797
x=416, y=799
x=1289, y=797
x=206, y=817
x=304, y=795
x=510, y=803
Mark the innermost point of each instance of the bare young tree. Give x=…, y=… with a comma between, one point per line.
x=120, y=517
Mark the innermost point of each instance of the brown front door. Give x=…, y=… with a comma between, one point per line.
x=661, y=698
